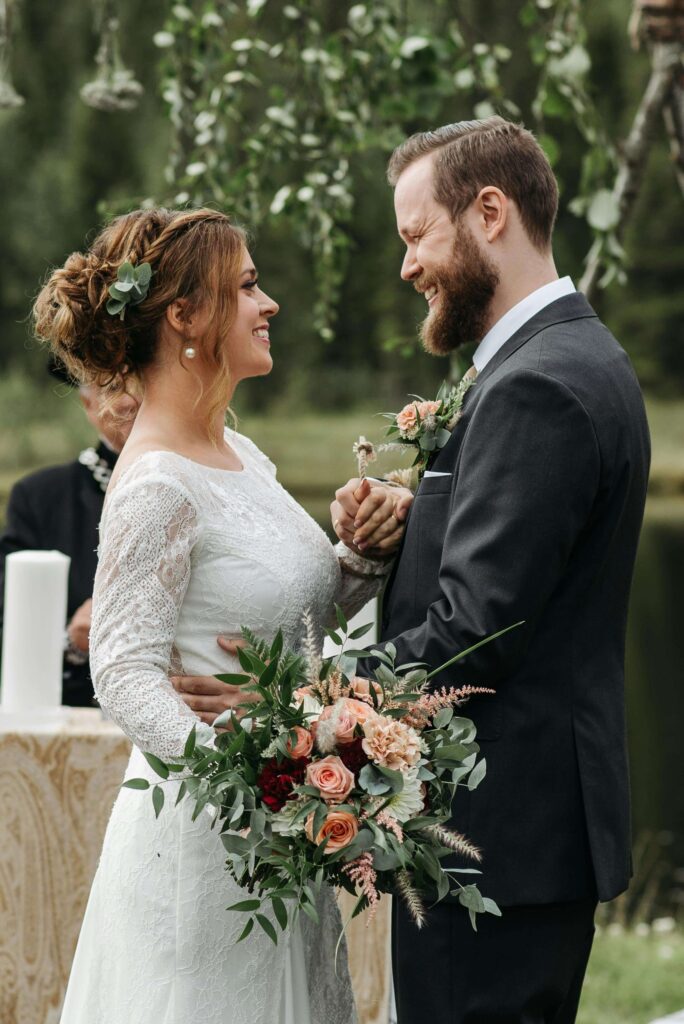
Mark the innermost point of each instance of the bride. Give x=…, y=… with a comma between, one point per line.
x=197, y=539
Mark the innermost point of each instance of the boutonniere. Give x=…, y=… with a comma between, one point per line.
x=425, y=426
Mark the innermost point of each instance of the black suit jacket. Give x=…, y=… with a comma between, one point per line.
x=59, y=508
x=537, y=520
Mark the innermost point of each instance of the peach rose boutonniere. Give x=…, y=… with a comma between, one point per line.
x=426, y=426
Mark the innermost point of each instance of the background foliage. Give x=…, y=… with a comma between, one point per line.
x=279, y=76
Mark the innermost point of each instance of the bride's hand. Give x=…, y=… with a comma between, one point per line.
x=370, y=516
x=207, y=696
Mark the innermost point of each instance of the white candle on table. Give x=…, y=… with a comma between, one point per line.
x=33, y=633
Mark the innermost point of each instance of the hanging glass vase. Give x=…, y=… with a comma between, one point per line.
x=114, y=87
x=9, y=97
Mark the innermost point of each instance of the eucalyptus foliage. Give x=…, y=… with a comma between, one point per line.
x=270, y=102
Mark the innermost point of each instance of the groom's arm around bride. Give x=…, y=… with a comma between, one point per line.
x=533, y=514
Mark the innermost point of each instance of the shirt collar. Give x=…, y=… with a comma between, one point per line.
x=518, y=315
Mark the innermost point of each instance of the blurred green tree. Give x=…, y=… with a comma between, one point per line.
x=285, y=114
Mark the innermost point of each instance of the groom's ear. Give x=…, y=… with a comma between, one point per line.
x=492, y=211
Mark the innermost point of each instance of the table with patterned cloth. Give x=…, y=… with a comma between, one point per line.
x=57, y=787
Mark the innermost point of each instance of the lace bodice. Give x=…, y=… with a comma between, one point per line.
x=188, y=552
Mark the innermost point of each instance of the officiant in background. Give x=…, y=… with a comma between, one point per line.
x=59, y=508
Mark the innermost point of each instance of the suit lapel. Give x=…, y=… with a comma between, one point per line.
x=563, y=310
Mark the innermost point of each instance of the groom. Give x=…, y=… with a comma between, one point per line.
x=530, y=512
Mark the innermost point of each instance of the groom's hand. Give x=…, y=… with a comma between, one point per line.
x=369, y=516
x=206, y=695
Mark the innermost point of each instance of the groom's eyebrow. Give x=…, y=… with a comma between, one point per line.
x=410, y=231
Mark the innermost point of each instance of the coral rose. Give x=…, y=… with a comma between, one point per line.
x=339, y=828
x=390, y=743
x=360, y=690
x=406, y=420
x=302, y=746
x=332, y=778
x=426, y=409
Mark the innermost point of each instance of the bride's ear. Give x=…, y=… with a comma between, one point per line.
x=179, y=316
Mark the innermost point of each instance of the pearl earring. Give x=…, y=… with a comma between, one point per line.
x=190, y=352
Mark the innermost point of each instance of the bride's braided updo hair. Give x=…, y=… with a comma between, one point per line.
x=194, y=255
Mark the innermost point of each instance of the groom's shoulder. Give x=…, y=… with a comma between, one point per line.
x=575, y=348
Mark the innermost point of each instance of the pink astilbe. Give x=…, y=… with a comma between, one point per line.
x=427, y=706
x=329, y=690
x=391, y=824
x=363, y=875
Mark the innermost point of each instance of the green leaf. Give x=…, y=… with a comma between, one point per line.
x=126, y=272
x=245, y=905
x=190, y=742
x=452, y=752
x=234, y=678
x=135, y=784
x=603, y=213
x=443, y=717
x=280, y=911
x=471, y=898
x=157, y=800
x=246, y=930
x=310, y=911
x=267, y=927
x=276, y=646
x=144, y=275
x=475, y=647
x=371, y=780
x=356, y=634
x=341, y=619
x=477, y=775
x=491, y=907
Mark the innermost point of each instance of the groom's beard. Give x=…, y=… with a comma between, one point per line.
x=466, y=288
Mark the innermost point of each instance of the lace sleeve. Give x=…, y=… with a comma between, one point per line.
x=148, y=533
x=361, y=579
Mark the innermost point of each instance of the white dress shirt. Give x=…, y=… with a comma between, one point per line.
x=518, y=315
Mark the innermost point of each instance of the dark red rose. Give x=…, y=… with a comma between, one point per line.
x=276, y=781
x=353, y=756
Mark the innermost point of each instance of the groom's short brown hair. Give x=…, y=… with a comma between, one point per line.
x=493, y=151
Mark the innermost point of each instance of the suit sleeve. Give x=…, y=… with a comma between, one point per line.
x=21, y=533
x=528, y=477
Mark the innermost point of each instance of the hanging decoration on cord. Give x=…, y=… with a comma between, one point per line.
x=114, y=87
x=9, y=97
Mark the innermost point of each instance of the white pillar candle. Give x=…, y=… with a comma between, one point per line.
x=33, y=632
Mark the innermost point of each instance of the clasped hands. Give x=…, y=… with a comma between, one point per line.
x=369, y=517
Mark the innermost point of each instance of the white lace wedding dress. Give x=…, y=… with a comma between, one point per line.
x=187, y=553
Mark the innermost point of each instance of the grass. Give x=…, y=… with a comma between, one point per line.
x=41, y=426
x=633, y=978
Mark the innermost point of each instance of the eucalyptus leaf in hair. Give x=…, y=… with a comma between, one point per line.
x=129, y=289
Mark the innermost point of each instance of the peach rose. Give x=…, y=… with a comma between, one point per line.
x=339, y=828
x=332, y=777
x=428, y=409
x=338, y=722
x=406, y=420
x=360, y=688
x=302, y=746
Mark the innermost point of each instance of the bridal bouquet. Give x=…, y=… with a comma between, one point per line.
x=334, y=779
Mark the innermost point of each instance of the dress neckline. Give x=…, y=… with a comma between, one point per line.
x=169, y=451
